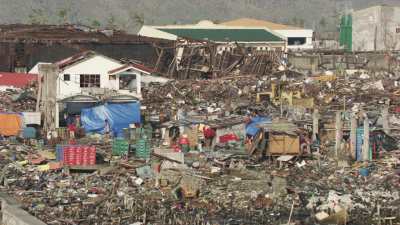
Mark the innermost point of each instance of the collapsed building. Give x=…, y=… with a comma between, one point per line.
x=23, y=46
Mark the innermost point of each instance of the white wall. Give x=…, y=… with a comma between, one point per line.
x=95, y=65
x=4, y=88
x=148, y=31
x=35, y=69
x=149, y=78
x=308, y=34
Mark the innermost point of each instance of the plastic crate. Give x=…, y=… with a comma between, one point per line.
x=60, y=153
x=142, y=149
x=120, y=147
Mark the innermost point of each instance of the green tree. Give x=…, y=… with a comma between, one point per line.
x=294, y=21
x=301, y=22
x=138, y=19
x=95, y=23
x=111, y=22
x=322, y=22
x=62, y=16
x=38, y=16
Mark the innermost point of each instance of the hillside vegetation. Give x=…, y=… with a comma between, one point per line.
x=131, y=14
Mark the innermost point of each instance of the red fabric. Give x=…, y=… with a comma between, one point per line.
x=176, y=148
x=228, y=137
x=208, y=132
x=72, y=127
x=18, y=80
x=184, y=141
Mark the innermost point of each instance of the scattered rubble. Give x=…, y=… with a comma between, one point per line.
x=236, y=138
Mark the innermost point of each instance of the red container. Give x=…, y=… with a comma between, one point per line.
x=79, y=155
x=85, y=155
x=72, y=155
x=66, y=155
x=92, y=155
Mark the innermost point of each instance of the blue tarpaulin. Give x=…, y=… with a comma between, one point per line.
x=119, y=116
x=251, y=128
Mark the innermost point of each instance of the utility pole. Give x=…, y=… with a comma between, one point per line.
x=353, y=135
x=315, y=124
x=338, y=127
x=365, y=152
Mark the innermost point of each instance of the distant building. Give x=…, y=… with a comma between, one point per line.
x=376, y=29
x=252, y=38
x=297, y=38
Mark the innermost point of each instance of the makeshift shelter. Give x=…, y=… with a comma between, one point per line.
x=226, y=129
x=119, y=116
x=10, y=124
x=275, y=138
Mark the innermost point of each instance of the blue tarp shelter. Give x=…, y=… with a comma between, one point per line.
x=119, y=116
x=251, y=128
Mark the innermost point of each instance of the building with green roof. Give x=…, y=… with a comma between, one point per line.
x=253, y=38
x=225, y=35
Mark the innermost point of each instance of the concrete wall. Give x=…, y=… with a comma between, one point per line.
x=376, y=62
x=304, y=62
x=374, y=28
x=12, y=214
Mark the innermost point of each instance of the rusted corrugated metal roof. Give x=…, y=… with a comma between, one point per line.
x=74, y=59
x=131, y=66
x=18, y=80
x=70, y=34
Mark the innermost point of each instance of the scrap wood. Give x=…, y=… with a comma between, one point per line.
x=199, y=176
x=254, y=144
x=165, y=157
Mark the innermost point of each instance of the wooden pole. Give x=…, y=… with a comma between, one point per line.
x=291, y=212
x=344, y=103
x=365, y=152
x=315, y=124
x=385, y=120
x=39, y=94
x=353, y=135
x=338, y=127
x=379, y=214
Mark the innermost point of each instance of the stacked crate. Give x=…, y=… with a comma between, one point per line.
x=143, y=149
x=120, y=147
x=76, y=155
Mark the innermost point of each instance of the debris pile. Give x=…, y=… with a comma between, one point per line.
x=205, y=191
x=18, y=100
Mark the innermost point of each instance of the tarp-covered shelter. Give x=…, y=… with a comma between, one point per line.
x=119, y=116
